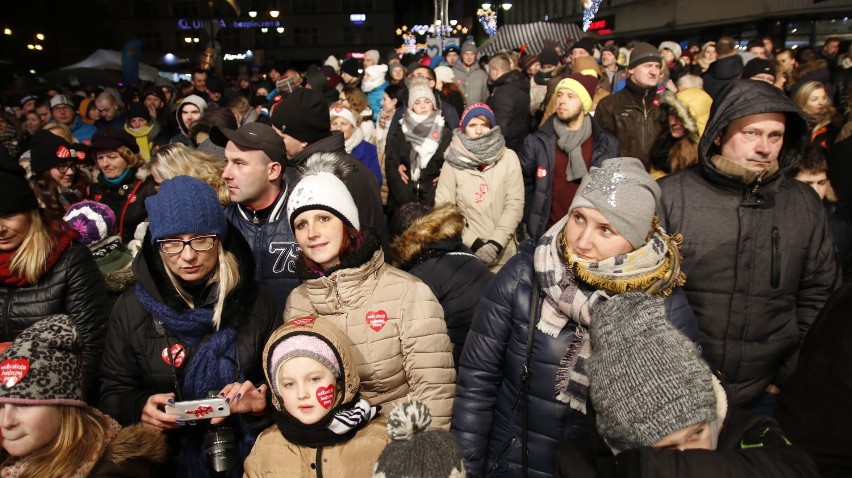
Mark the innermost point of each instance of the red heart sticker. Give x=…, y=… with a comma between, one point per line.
x=483, y=188
x=377, y=319
x=81, y=155
x=63, y=153
x=325, y=396
x=178, y=354
x=13, y=371
x=435, y=134
x=540, y=172
x=303, y=320
x=477, y=198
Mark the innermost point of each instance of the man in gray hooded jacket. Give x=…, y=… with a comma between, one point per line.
x=470, y=78
x=757, y=254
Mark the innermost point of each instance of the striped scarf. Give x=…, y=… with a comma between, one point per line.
x=423, y=133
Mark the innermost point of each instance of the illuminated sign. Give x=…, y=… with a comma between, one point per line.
x=358, y=18
x=603, y=25
x=185, y=24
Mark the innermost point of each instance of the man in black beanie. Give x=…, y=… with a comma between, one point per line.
x=633, y=114
x=303, y=123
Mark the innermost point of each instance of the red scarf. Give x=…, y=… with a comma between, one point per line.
x=63, y=242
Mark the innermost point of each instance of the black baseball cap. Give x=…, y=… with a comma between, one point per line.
x=257, y=136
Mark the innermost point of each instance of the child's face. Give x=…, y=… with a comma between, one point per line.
x=136, y=123
x=308, y=389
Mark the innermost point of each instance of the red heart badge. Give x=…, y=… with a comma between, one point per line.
x=483, y=188
x=540, y=172
x=303, y=320
x=63, y=152
x=178, y=354
x=377, y=319
x=13, y=371
x=325, y=395
x=434, y=134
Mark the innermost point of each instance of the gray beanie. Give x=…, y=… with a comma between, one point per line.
x=646, y=379
x=414, y=450
x=468, y=46
x=624, y=193
x=644, y=53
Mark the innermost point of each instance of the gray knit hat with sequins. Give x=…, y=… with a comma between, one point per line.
x=624, y=193
x=414, y=450
x=646, y=379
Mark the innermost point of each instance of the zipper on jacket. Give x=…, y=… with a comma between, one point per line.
x=776, y=258
x=8, y=315
x=319, y=462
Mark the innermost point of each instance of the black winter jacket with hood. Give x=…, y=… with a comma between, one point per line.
x=722, y=72
x=758, y=257
x=539, y=151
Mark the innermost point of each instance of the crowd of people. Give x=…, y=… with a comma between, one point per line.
x=591, y=260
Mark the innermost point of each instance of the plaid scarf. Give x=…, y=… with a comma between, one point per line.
x=574, y=288
x=423, y=133
x=475, y=153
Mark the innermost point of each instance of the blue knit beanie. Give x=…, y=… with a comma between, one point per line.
x=474, y=110
x=185, y=205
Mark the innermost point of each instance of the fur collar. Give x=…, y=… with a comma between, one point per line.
x=441, y=224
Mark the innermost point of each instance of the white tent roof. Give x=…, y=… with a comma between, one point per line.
x=111, y=60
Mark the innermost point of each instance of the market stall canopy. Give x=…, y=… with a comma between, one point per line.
x=510, y=37
x=111, y=60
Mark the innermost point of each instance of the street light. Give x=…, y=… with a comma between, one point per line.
x=7, y=31
x=188, y=39
x=31, y=46
x=264, y=30
x=486, y=6
x=506, y=6
x=38, y=47
x=280, y=29
x=252, y=13
x=274, y=13
x=39, y=36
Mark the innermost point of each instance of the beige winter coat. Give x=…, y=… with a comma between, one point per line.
x=396, y=325
x=492, y=201
x=274, y=456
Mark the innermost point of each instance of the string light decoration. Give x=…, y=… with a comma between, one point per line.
x=410, y=36
x=488, y=19
x=590, y=9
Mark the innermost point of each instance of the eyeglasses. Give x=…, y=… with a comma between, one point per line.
x=198, y=244
x=63, y=168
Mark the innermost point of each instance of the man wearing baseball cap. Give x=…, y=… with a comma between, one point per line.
x=633, y=114
x=62, y=111
x=301, y=120
x=254, y=175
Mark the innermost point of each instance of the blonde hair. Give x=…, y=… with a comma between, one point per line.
x=240, y=105
x=61, y=130
x=356, y=98
x=179, y=160
x=81, y=431
x=30, y=260
x=801, y=100
x=227, y=275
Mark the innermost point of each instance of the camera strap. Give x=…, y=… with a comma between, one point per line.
x=158, y=326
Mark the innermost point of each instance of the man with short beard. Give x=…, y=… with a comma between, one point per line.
x=555, y=158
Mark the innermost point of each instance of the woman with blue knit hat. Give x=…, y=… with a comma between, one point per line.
x=483, y=178
x=194, y=324
x=523, y=379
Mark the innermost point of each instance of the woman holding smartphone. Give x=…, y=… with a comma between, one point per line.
x=195, y=323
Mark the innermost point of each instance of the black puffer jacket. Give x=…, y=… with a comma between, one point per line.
x=127, y=200
x=133, y=367
x=510, y=100
x=487, y=412
x=432, y=250
x=539, y=151
x=748, y=445
x=73, y=286
x=758, y=258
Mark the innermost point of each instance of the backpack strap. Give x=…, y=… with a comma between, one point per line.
x=537, y=297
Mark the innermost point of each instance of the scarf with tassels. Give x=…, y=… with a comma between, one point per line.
x=475, y=153
x=574, y=288
x=423, y=133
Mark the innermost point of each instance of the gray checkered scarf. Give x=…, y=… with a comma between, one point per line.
x=423, y=133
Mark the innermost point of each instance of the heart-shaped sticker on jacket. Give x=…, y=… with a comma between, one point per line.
x=325, y=396
x=13, y=371
x=178, y=354
x=303, y=320
x=377, y=319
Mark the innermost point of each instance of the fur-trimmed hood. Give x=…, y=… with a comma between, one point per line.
x=137, y=441
x=442, y=224
x=674, y=106
x=692, y=106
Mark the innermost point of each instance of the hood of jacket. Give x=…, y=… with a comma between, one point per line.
x=331, y=334
x=150, y=272
x=189, y=100
x=728, y=68
x=333, y=143
x=748, y=97
x=675, y=106
x=440, y=227
x=137, y=442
